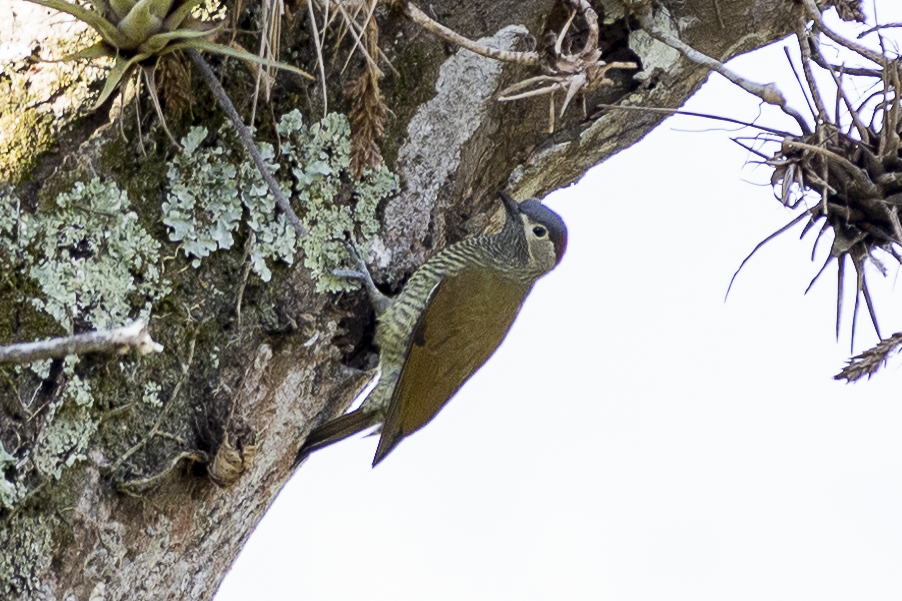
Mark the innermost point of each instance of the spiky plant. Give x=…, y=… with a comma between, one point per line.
x=848, y=162
x=137, y=32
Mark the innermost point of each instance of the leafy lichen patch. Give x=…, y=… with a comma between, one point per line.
x=90, y=258
x=65, y=442
x=98, y=262
x=24, y=555
x=89, y=263
x=213, y=190
x=11, y=492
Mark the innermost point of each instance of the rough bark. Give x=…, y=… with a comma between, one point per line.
x=118, y=518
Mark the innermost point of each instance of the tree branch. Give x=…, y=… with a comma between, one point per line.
x=121, y=340
x=422, y=19
x=768, y=93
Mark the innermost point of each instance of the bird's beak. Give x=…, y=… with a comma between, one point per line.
x=511, y=205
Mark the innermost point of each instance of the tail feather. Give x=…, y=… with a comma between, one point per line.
x=335, y=430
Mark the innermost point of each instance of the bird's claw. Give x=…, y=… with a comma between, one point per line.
x=380, y=301
x=359, y=263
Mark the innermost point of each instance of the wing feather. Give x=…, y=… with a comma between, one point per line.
x=468, y=316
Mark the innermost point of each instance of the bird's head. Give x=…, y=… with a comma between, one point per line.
x=543, y=230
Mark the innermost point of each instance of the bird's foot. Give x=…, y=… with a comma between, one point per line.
x=379, y=301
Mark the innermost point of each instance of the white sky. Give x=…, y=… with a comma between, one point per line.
x=635, y=437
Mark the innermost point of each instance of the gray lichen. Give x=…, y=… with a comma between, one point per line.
x=320, y=160
x=65, y=441
x=91, y=262
x=213, y=187
x=90, y=257
x=203, y=206
x=11, y=492
x=656, y=56
x=17, y=228
x=24, y=555
x=152, y=394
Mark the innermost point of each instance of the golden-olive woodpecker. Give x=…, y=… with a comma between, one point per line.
x=449, y=319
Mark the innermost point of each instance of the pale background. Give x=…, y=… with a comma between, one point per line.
x=635, y=437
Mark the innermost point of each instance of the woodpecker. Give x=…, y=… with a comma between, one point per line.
x=447, y=321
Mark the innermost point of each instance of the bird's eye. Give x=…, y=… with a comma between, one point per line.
x=539, y=231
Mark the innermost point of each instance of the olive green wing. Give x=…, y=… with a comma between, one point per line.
x=466, y=319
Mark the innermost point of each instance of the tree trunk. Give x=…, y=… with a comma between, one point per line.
x=141, y=478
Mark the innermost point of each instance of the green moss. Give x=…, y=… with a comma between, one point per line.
x=142, y=176
x=25, y=132
x=38, y=105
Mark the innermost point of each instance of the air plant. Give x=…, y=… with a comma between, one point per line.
x=850, y=161
x=135, y=33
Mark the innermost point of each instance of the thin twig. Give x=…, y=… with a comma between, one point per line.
x=753, y=151
x=805, y=48
x=269, y=50
x=141, y=485
x=251, y=239
x=878, y=28
x=799, y=80
x=226, y=103
x=558, y=44
x=319, y=55
x=326, y=21
x=758, y=247
x=723, y=25
x=137, y=111
x=352, y=27
x=855, y=71
x=366, y=23
x=648, y=109
x=557, y=85
x=856, y=120
x=591, y=18
x=154, y=97
x=420, y=18
x=120, y=340
x=890, y=137
x=768, y=93
x=815, y=14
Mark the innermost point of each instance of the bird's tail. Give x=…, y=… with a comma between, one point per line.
x=335, y=430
